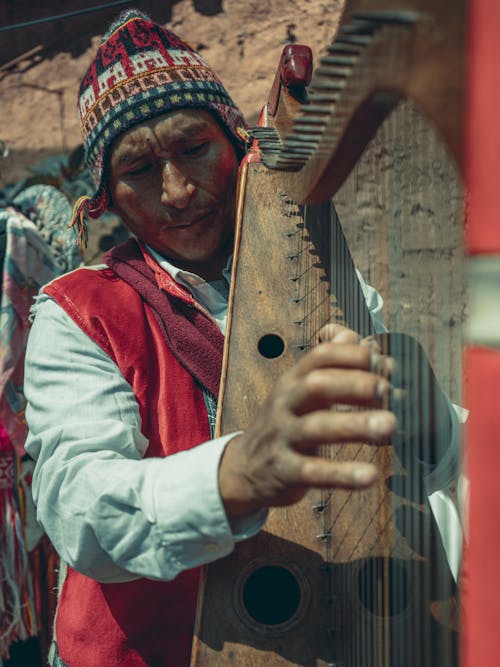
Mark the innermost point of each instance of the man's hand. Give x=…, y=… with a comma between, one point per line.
x=275, y=461
x=421, y=407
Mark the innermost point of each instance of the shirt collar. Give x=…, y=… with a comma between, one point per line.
x=186, y=278
x=204, y=292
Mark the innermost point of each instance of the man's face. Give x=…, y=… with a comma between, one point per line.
x=172, y=181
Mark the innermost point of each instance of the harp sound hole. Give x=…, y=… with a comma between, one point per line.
x=271, y=346
x=383, y=587
x=271, y=595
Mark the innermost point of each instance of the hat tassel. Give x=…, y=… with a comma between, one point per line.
x=78, y=220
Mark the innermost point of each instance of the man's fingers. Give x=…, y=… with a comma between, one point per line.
x=328, y=355
x=346, y=355
x=326, y=426
x=326, y=387
x=338, y=333
x=315, y=472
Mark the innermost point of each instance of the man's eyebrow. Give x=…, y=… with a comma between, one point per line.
x=183, y=134
x=130, y=155
x=195, y=128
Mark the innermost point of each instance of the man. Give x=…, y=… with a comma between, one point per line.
x=124, y=360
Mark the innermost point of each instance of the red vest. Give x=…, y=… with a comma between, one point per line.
x=143, y=622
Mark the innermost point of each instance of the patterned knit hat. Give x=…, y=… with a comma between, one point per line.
x=142, y=70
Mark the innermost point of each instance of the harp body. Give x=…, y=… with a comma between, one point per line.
x=314, y=587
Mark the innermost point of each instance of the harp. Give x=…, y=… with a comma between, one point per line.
x=345, y=579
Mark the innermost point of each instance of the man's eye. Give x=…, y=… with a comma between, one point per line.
x=141, y=169
x=196, y=149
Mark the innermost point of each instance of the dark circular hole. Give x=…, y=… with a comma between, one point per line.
x=271, y=595
x=271, y=346
x=383, y=586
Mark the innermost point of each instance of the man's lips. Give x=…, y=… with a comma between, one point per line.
x=184, y=224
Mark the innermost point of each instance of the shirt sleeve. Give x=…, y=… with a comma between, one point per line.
x=111, y=513
x=374, y=302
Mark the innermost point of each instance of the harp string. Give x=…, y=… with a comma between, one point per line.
x=399, y=209
x=350, y=300
x=423, y=253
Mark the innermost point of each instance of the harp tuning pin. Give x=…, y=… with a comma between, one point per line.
x=324, y=537
x=319, y=507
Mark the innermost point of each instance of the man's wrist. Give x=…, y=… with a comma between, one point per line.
x=235, y=490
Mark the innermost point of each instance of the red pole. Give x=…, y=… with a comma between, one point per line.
x=481, y=586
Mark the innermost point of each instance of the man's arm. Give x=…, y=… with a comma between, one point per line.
x=110, y=513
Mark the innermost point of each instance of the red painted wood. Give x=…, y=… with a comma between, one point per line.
x=482, y=161
x=481, y=586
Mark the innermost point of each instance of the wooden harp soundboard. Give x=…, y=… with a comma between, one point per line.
x=333, y=580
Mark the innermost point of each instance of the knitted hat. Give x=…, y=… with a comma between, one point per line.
x=142, y=70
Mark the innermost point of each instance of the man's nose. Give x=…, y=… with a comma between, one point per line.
x=177, y=189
